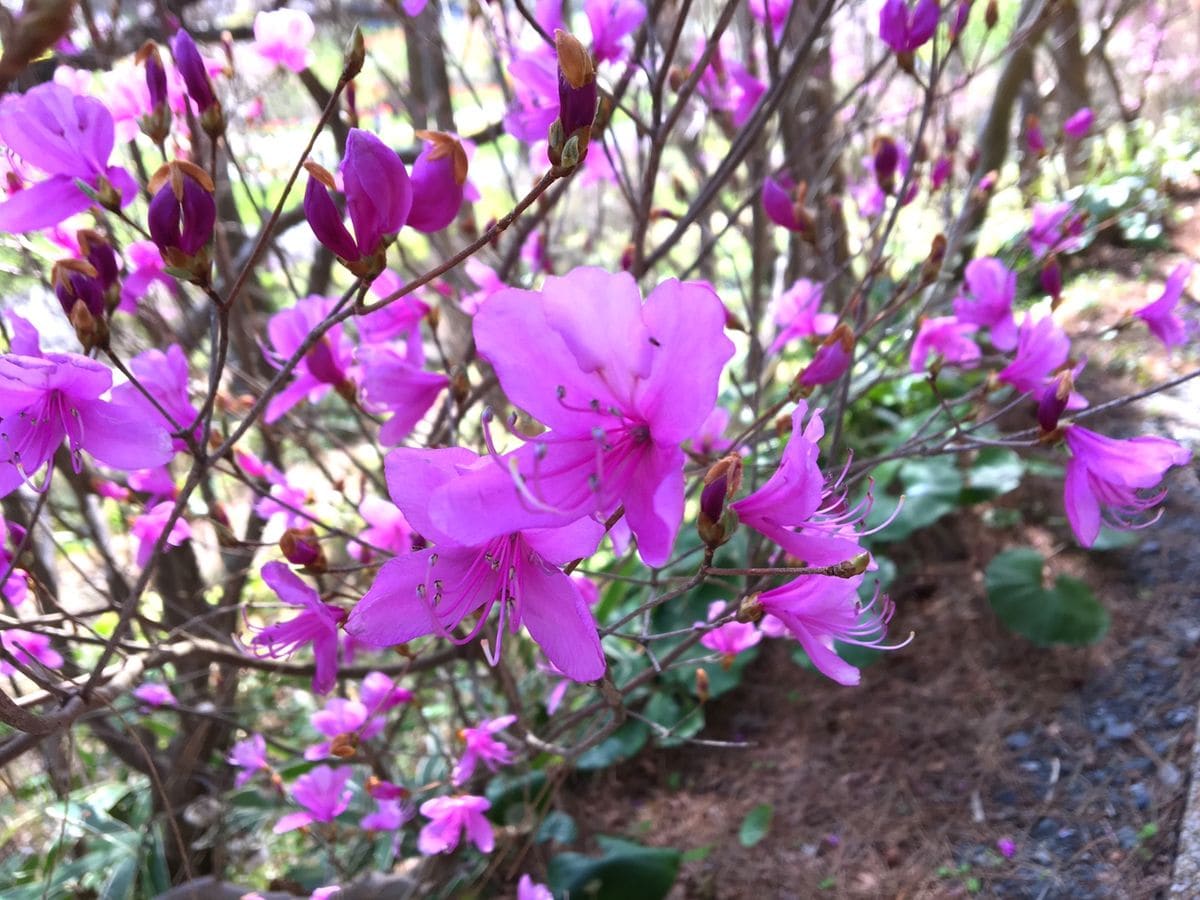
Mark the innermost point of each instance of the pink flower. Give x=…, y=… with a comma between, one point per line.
x=773, y=13
x=148, y=527
x=947, y=338
x=481, y=746
x=1055, y=229
x=389, y=815
x=165, y=377
x=282, y=37
x=819, y=609
x=392, y=384
x=731, y=638
x=535, y=88
x=327, y=365
x=341, y=716
x=1108, y=479
x=991, y=287
x=904, y=29
x=250, y=756
x=1042, y=347
x=1007, y=847
x=612, y=21
x=432, y=590
x=69, y=138
x=323, y=794
x=832, y=359
x=1160, y=316
x=316, y=625
x=1079, y=124
x=47, y=398
x=387, y=528
x=154, y=694
x=528, y=889
x=145, y=269
x=451, y=817
x=26, y=647
x=621, y=384
x=797, y=313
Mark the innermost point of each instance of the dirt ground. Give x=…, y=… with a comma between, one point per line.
x=906, y=786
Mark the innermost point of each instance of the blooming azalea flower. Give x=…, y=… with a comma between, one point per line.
x=947, y=338
x=387, y=528
x=904, y=29
x=154, y=694
x=481, y=746
x=991, y=288
x=250, y=756
x=145, y=269
x=26, y=647
x=389, y=815
x=432, y=590
x=797, y=313
x=1160, y=316
x=1108, y=479
x=621, y=386
x=327, y=365
x=612, y=21
x=451, y=818
x=1042, y=347
x=1055, y=229
x=528, y=889
x=317, y=624
x=392, y=384
x=819, y=609
x=165, y=377
x=731, y=638
x=282, y=37
x=46, y=398
x=148, y=528
x=323, y=794
x=342, y=717
x=68, y=137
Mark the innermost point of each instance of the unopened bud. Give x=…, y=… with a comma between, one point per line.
x=991, y=15
x=344, y=745
x=933, y=263
x=1052, y=281
x=851, y=567
x=702, y=688
x=750, y=610
x=301, y=547
x=722, y=481
x=885, y=160
x=356, y=55
x=1053, y=400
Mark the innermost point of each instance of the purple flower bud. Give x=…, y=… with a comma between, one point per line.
x=1053, y=400
x=438, y=176
x=300, y=547
x=961, y=13
x=886, y=158
x=832, y=359
x=712, y=498
x=182, y=213
x=323, y=365
x=1051, y=278
x=576, y=84
x=156, y=74
x=76, y=280
x=1033, y=136
x=1079, y=124
x=905, y=30
x=191, y=68
x=101, y=255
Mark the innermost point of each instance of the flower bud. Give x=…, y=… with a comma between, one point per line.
x=784, y=203
x=1051, y=280
x=355, y=56
x=831, y=361
x=193, y=71
x=933, y=262
x=1033, y=136
x=181, y=218
x=437, y=178
x=721, y=482
x=991, y=14
x=300, y=547
x=1052, y=401
x=344, y=746
x=703, y=692
x=156, y=124
x=885, y=160
x=750, y=610
x=81, y=293
x=577, y=96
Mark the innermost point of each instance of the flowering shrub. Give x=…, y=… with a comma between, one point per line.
x=361, y=480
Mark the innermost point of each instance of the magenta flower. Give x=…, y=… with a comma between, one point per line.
x=1108, y=479
x=528, y=889
x=797, y=313
x=317, y=624
x=940, y=173
x=148, y=527
x=342, y=717
x=15, y=588
x=621, y=384
x=327, y=365
x=1042, y=347
x=379, y=197
x=438, y=175
x=482, y=747
x=947, y=338
x=145, y=269
x=904, y=29
x=55, y=396
x=709, y=439
x=991, y=288
x=1035, y=142
x=250, y=756
x=26, y=647
x=387, y=529
x=1055, y=229
x=431, y=591
x=731, y=638
x=153, y=694
x=165, y=378
x=773, y=13
x=1079, y=124
x=392, y=384
x=323, y=794
x=612, y=21
x=285, y=501
x=401, y=319
x=819, y=609
x=282, y=37
x=796, y=508
x=380, y=693
x=69, y=138
x=389, y=815
x=451, y=818
x=535, y=89
x=1007, y=847
x=1160, y=316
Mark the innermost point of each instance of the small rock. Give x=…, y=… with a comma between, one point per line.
x=1169, y=775
x=1042, y=857
x=1140, y=794
x=1018, y=740
x=1119, y=731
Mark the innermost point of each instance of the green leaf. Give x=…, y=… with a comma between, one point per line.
x=1068, y=613
x=119, y=885
x=624, y=871
x=932, y=489
x=558, y=827
x=756, y=825
x=618, y=747
x=996, y=471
